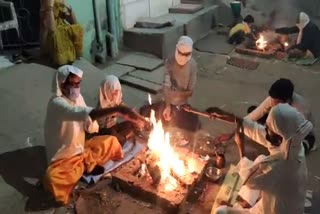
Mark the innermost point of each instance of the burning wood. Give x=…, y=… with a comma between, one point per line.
x=142, y=185
x=153, y=169
x=267, y=45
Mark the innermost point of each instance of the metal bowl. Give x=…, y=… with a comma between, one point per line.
x=213, y=173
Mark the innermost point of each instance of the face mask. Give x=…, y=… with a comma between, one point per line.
x=275, y=140
x=181, y=60
x=73, y=93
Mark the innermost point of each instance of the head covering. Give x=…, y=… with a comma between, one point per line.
x=303, y=21
x=281, y=89
x=184, y=45
x=110, y=84
x=286, y=121
x=61, y=76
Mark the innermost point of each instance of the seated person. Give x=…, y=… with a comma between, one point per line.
x=282, y=91
x=308, y=37
x=67, y=119
x=178, y=86
x=110, y=95
x=60, y=34
x=241, y=30
x=285, y=167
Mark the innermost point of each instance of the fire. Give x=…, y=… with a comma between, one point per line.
x=169, y=162
x=261, y=43
x=149, y=99
x=286, y=44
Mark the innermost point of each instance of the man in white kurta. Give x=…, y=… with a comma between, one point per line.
x=282, y=91
x=280, y=177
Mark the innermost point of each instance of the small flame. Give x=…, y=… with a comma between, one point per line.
x=261, y=43
x=149, y=99
x=286, y=44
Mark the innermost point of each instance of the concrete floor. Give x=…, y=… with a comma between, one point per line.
x=25, y=90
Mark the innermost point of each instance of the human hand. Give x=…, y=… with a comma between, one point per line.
x=185, y=107
x=127, y=113
x=141, y=124
x=167, y=113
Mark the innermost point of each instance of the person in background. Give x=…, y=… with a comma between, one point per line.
x=61, y=36
x=308, y=37
x=240, y=31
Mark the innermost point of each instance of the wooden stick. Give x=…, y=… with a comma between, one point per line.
x=208, y=115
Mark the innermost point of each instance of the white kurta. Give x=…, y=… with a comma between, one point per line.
x=65, y=126
x=281, y=177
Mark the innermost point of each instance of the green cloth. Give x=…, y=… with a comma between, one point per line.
x=307, y=61
x=229, y=189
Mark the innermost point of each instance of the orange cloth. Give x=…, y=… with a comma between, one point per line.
x=62, y=175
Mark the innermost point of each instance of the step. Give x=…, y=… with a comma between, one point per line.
x=193, y=1
x=118, y=70
x=155, y=22
x=185, y=8
x=141, y=62
x=155, y=76
x=161, y=42
x=140, y=84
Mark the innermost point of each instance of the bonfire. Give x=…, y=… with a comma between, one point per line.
x=261, y=43
x=167, y=160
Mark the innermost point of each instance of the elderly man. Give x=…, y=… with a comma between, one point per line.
x=282, y=91
x=67, y=120
x=178, y=86
x=308, y=37
x=285, y=167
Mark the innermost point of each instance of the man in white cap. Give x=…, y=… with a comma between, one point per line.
x=67, y=120
x=179, y=81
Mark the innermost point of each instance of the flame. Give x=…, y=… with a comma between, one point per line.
x=149, y=99
x=286, y=44
x=261, y=43
x=159, y=144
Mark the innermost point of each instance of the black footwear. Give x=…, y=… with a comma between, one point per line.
x=98, y=170
x=16, y=58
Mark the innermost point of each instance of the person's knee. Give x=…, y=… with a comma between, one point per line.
x=296, y=53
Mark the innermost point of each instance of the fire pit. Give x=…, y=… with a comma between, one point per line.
x=263, y=47
x=161, y=174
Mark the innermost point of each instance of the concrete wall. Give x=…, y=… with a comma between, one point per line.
x=84, y=13
x=132, y=10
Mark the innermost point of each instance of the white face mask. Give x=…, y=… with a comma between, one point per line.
x=181, y=59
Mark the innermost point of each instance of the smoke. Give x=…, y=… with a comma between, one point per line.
x=284, y=12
